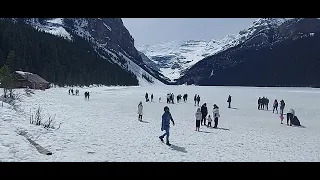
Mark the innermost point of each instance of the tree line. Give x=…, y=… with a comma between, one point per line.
x=58, y=61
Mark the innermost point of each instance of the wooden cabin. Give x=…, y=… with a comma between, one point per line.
x=29, y=80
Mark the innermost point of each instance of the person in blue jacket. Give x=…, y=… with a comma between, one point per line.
x=165, y=125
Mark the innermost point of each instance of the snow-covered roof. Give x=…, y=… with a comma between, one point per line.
x=33, y=78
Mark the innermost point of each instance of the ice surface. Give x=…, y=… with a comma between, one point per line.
x=106, y=128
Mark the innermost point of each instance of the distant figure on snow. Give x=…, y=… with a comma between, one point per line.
x=229, y=101
x=216, y=115
x=267, y=103
x=172, y=98
x=259, y=103
x=198, y=100
x=209, y=121
x=165, y=125
x=86, y=95
x=140, y=111
x=147, y=98
x=151, y=97
x=275, y=106
x=195, y=99
x=204, y=111
x=198, y=119
x=263, y=102
x=282, y=105
x=69, y=91
x=281, y=118
x=159, y=99
x=185, y=97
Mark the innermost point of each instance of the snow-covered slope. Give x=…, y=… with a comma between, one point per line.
x=174, y=58
x=52, y=26
x=108, y=36
x=106, y=128
x=263, y=44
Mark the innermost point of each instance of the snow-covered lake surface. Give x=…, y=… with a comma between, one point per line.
x=106, y=128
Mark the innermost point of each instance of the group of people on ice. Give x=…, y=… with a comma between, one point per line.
x=76, y=92
x=147, y=97
x=170, y=98
x=71, y=91
x=263, y=103
x=201, y=116
x=196, y=100
x=276, y=104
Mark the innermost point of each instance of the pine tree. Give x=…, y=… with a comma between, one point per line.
x=10, y=59
x=6, y=80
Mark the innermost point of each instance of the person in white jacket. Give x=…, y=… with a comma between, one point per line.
x=216, y=115
x=140, y=111
x=290, y=116
x=198, y=119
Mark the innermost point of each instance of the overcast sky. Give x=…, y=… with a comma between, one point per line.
x=157, y=30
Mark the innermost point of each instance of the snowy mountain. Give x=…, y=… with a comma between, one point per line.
x=174, y=58
x=271, y=52
x=108, y=36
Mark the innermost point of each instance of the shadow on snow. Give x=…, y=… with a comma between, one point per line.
x=178, y=148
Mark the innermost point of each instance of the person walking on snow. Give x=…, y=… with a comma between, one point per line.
x=151, y=97
x=204, y=111
x=159, y=99
x=195, y=99
x=229, y=101
x=140, y=111
x=198, y=119
x=147, y=98
x=209, y=121
x=165, y=125
x=275, y=106
x=216, y=115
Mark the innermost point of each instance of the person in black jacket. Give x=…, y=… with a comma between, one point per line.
x=267, y=103
x=282, y=105
x=263, y=102
x=198, y=100
x=229, y=101
x=259, y=103
x=204, y=111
